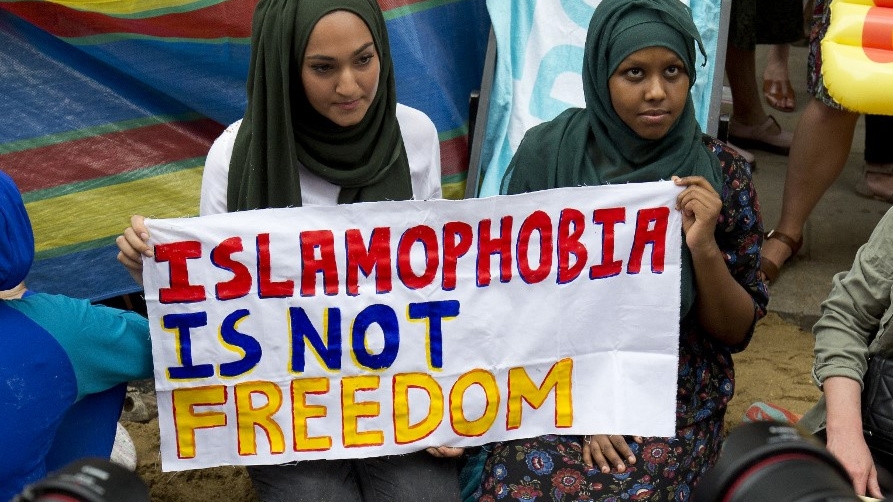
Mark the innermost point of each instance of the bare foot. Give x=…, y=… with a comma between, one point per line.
x=777, y=81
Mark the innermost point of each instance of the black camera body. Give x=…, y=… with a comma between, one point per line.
x=87, y=480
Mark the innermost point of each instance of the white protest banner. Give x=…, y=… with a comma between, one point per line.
x=383, y=328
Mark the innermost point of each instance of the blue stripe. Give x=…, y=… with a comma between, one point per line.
x=426, y=46
x=439, y=57
x=209, y=80
x=94, y=274
x=58, y=88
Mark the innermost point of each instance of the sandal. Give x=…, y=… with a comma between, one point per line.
x=770, y=269
x=780, y=95
x=876, y=182
x=761, y=137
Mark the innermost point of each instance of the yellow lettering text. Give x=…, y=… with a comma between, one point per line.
x=521, y=388
x=248, y=417
x=478, y=427
x=404, y=432
x=352, y=410
x=187, y=420
x=303, y=412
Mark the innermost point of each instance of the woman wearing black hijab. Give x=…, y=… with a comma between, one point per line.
x=639, y=126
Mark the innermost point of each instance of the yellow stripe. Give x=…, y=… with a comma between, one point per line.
x=121, y=7
x=454, y=191
x=105, y=212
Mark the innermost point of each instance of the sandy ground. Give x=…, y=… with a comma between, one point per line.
x=775, y=368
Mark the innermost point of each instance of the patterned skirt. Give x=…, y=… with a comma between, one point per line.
x=550, y=468
x=815, y=85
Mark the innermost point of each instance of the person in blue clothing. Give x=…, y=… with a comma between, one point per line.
x=54, y=351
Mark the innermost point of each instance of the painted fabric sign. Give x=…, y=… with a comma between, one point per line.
x=383, y=328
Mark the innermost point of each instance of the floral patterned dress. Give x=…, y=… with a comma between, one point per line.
x=815, y=84
x=550, y=468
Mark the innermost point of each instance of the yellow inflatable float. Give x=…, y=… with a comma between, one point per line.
x=857, y=55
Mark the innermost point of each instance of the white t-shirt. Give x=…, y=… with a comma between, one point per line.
x=422, y=151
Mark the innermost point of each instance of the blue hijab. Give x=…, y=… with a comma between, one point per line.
x=17, y=246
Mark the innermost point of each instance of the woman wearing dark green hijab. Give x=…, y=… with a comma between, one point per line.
x=282, y=127
x=323, y=127
x=639, y=126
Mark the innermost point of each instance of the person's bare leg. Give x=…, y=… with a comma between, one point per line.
x=822, y=142
x=747, y=108
x=776, y=72
x=777, y=62
x=750, y=126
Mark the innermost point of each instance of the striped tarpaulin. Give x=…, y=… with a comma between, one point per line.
x=110, y=106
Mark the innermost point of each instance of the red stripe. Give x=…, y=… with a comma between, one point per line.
x=387, y=5
x=109, y=154
x=454, y=156
x=225, y=19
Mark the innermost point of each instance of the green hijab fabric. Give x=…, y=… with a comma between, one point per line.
x=280, y=129
x=592, y=145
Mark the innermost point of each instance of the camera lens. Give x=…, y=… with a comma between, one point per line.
x=88, y=480
x=770, y=461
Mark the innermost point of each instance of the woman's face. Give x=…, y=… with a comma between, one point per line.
x=649, y=90
x=341, y=68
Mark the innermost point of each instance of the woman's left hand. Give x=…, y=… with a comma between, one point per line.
x=445, y=451
x=700, y=206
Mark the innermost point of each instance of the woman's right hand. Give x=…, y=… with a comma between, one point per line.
x=843, y=401
x=132, y=246
x=854, y=455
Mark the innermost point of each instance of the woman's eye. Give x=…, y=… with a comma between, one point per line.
x=634, y=73
x=674, y=71
x=365, y=59
x=321, y=68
